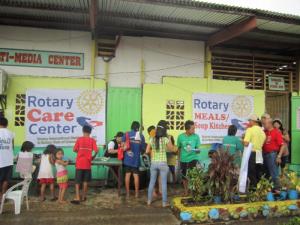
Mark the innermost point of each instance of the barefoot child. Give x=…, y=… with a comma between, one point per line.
x=61, y=174
x=45, y=175
x=84, y=148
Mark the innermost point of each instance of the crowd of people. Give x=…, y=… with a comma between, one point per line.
x=268, y=138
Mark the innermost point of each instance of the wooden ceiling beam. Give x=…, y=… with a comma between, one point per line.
x=232, y=31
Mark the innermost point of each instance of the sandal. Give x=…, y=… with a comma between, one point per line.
x=83, y=199
x=75, y=202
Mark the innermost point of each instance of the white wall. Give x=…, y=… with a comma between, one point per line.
x=48, y=40
x=162, y=57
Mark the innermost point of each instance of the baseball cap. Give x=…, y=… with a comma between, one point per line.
x=253, y=117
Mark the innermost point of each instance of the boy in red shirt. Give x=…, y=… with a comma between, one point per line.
x=84, y=148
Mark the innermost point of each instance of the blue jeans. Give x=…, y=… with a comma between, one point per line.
x=272, y=169
x=163, y=169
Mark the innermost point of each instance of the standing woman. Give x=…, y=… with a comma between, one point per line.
x=158, y=148
x=286, y=138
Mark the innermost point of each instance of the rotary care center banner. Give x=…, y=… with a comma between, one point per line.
x=214, y=113
x=57, y=116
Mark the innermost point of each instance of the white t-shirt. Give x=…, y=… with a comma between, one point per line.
x=6, y=148
x=111, y=145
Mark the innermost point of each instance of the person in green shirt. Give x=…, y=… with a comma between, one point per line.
x=188, y=144
x=233, y=144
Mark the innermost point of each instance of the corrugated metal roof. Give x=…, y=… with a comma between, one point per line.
x=174, y=18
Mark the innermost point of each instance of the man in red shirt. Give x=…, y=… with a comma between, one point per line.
x=84, y=148
x=272, y=152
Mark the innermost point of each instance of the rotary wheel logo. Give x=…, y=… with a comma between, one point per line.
x=90, y=102
x=241, y=106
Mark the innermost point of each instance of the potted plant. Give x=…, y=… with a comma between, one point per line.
x=293, y=186
x=285, y=183
x=222, y=176
x=263, y=191
x=196, y=177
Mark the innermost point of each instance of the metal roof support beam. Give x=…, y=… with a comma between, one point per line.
x=113, y=29
x=43, y=24
x=232, y=31
x=41, y=6
x=93, y=17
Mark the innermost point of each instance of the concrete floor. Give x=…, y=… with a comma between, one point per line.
x=102, y=207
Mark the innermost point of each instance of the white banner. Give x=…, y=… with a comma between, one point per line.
x=56, y=116
x=214, y=113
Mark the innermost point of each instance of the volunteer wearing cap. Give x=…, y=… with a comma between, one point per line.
x=256, y=136
x=273, y=149
x=113, y=145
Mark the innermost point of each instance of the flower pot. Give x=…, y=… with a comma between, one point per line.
x=185, y=216
x=283, y=195
x=214, y=214
x=236, y=198
x=217, y=199
x=293, y=194
x=270, y=197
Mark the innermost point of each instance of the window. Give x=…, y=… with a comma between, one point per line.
x=175, y=114
x=20, y=110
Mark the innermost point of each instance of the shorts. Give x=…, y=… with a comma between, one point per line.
x=63, y=185
x=184, y=166
x=172, y=168
x=131, y=169
x=5, y=173
x=46, y=180
x=83, y=176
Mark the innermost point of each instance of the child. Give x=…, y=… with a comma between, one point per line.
x=61, y=174
x=6, y=155
x=84, y=147
x=134, y=142
x=45, y=175
x=25, y=160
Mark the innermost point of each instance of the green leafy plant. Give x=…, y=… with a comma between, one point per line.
x=293, y=221
x=262, y=188
x=196, y=177
x=223, y=175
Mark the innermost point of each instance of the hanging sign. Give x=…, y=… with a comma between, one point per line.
x=276, y=84
x=57, y=116
x=45, y=59
x=214, y=113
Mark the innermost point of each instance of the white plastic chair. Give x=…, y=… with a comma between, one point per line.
x=17, y=195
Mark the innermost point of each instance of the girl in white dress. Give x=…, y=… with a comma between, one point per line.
x=45, y=176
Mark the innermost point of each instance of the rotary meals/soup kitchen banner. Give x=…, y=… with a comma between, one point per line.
x=214, y=113
x=56, y=116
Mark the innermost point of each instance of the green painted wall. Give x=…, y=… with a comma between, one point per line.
x=294, y=131
x=155, y=97
x=124, y=105
x=19, y=85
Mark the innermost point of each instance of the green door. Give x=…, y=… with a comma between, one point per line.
x=295, y=130
x=124, y=105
